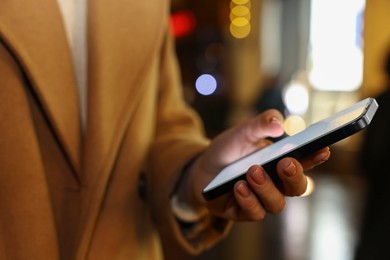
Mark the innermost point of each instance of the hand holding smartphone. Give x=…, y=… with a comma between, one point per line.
x=318, y=135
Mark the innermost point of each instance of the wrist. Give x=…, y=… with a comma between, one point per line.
x=187, y=202
x=185, y=212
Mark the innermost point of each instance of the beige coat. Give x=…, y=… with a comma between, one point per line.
x=63, y=196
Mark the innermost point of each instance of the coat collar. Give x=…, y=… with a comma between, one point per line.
x=33, y=31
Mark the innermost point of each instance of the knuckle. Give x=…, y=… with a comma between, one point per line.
x=254, y=212
x=278, y=207
x=259, y=216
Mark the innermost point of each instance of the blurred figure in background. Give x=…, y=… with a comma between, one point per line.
x=271, y=96
x=374, y=159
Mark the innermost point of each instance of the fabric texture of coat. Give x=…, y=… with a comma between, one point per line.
x=105, y=195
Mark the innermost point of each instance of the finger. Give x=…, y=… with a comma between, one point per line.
x=249, y=207
x=315, y=159
x=245, y=138
x=263, y=143
x=267, y=124
x=270, y=196
x=293, y=179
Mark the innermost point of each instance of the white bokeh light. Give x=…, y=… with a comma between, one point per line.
x=206, y=84
x=296, y=99
x=336, y=45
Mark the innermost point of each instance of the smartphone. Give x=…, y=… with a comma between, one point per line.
x=316, y=136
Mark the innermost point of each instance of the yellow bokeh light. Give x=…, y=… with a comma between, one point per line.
x=240, y=32
x=240, y=2
x=248, y=4
x=240, y=16
x=240, y=22
x=294, y=124
x=240, y=11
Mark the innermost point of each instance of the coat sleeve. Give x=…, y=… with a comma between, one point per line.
x=179, y=138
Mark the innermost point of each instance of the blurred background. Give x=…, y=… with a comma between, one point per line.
x=309, y=59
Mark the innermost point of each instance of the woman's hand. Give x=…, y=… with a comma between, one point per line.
x=253, y=198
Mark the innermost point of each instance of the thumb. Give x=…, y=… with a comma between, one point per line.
x=267, y=124
x=242, y=139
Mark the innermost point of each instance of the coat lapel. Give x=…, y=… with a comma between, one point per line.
x=123, y=40
x=34, y=33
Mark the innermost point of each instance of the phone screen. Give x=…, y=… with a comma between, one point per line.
x=291, y=143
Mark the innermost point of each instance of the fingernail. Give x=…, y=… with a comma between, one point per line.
x=290, y=169
x=258, y=175
x=243, y=190
x=322, y=157
x=276, y=120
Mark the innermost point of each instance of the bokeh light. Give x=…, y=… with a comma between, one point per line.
x=336, y=51
x=296, y=98
x=206, y=84
x=310, y=187
x=240, y=11
x=294, y=124
x=182, y=23
x=240, y=15
x=240, y=28
x=240, y=2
